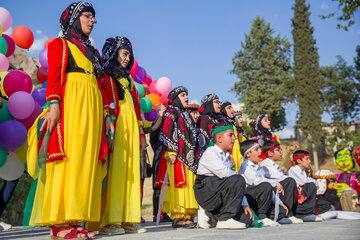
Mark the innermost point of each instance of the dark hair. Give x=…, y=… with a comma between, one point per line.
x=245, y=145
x=269, y=145
x=297, y=153
x=216, y=126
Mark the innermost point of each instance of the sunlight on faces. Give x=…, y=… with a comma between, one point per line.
x=217, y=105
x=184, y=99
x=238, y=120
x=344, y=161
x=225, y=139
x=304, y=162
x=87, y=21
x=229, y=111
x=275, y=155
x=265, y=122
x=124, y=57
x=254, y=154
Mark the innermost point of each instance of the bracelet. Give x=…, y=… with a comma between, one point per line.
x=56, y=102
x=110, y=116
x=111, y=133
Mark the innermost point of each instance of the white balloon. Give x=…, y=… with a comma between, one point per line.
x=13, y=168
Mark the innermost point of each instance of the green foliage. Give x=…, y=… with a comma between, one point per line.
x=248, y=129
x=308, y=79
x=263, y=68
x=347, y=15
x=341, y=136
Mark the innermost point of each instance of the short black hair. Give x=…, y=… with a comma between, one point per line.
x=216, y=126
x=245, y=145
x=269, y=145
x=299, y=152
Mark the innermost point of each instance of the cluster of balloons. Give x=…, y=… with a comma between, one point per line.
x=23, y=106
x=151, y=93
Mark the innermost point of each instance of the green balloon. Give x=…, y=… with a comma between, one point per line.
x=5, y=114
x=3, y=156
x=3, y=45
x=145, y=105
x=140, y=90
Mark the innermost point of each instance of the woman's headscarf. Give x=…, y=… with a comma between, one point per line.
x=260, y=133
x=240, y=129
x=224, y=113
x=71, y=29
x=207, y=106
x=182, y=135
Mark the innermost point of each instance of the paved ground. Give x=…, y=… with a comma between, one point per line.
x=327, y=230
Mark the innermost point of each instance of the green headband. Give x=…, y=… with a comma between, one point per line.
x=220, y=129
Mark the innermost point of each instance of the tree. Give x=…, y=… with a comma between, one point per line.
x=264, y=71
x=348, y=9
x=308, y=79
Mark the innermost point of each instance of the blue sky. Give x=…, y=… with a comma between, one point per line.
x=191, y=42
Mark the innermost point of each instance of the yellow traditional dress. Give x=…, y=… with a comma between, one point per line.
x=70, y=189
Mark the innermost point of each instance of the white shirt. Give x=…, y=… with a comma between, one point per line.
x=215, y=162
x=300, y=176
x=272, y=170
x=254, y=175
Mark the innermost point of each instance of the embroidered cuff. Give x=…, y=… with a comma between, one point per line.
x=53, y=96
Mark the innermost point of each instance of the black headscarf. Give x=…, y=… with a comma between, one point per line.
x=224, y=113
x=207, y=106
x=72, y=31
x=178, y=133
x=240, y=129
x=261, y=134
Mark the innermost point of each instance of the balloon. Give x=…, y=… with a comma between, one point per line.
x=23, y=37
x=5, y=19
x=41, y=74
x=29, y=121
x=146, y=88
x=39, y=95
x=17, y=80
x=153, y=89
x=151, y=116
x=141, y=74
x=13, y=134
x=163, y=85
x=48, y=41
x=5, y=114
x=145, y=104
x=148, y=79
x=44, y=84
x=10, y=45
x=140, y=89
x=21, y=105
x=154, y=98
x=134, y=68
x=12, y=169
x=136, y=79
x=4, y=63
x=3, y=45
x=3, y=156
x=164, y=99
x=22, y=151
x=43, y=59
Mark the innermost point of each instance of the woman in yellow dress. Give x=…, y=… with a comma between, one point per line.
x=69, y=184
x=123, y=189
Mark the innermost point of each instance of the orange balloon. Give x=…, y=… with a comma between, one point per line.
x=154, y=98
x=23, y=37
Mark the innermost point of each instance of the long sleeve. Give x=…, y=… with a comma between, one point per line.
x=155, y=126
x=135, y=94
x=166, y=133
x=300, y=176
x=254, y=176
x=204, y=125
x=271, y=170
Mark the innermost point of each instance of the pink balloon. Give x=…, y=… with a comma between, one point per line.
x=148, y=79
x=21, y=105
x=43, y=59
x=4, y=63
x=17, y=80
x=11, y=45
x=29, y=121
x=153, y=89
x=134, y=68
x=164, y=99
x=163, y=85
x=5, y=19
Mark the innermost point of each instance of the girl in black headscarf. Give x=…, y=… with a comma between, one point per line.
x=178, y=137
x=262, y=130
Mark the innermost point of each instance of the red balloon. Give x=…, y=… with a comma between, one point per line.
x=146, y=88
x=148, y=79
x=153, y=89
x=41, y=75
x=11, y=45
x=48, y=41
x=134, y=68
x=164, y=99
x=17, y=80
x=23, y=37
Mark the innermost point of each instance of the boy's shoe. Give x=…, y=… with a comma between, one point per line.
x=267, y=222
x=133, y=228
x=312, y=218
x=230, y=224
x=296, y=220
x=203, y=219
x=5, y=226
x=285, y=221
x=111, y=229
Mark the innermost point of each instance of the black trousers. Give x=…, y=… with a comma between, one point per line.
x=260, y=200
x=331, y=196
x=6, y=193
x=221, y=198
x=308, y=207
x=289, y=197
x=155, y=168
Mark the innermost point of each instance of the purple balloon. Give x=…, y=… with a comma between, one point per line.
x=21, y=105
x=151, y=116
x=39, y=95
x=43, y=59
x=13, y=134
x=136, y=79
x=141, y=75
x=29, y=121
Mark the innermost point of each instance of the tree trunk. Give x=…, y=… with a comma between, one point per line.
x=316, y=160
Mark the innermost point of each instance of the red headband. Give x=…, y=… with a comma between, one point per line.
x=278, y=146
x=299, y=156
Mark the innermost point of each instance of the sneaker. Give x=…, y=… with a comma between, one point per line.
x=203, y=219
x=133, y=228
x=285, y=221
x=5, y=226
x=230, y=224
x=267, y=222
x=312, y=218
x=296, y=220
x=111, y=230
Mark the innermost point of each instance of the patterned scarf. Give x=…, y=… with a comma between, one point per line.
x=223, y=112
x=178, y=133
x=261, y=134
x=240, y=130
x=72, y=31
x=207, y=107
